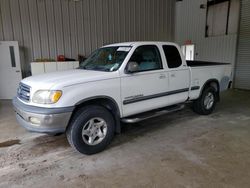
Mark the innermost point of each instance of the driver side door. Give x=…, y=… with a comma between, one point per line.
x=144, y=89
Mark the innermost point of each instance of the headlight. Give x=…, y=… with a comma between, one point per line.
x=46, y=96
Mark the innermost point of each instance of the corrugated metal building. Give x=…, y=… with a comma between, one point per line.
x=242, y=73
x=47, y=28
x=234, y=47
x=191, y=25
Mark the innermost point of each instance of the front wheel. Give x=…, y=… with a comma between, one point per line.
x=206, y=103
x=91, y=129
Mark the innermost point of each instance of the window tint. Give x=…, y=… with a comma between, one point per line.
x=148, y=58
x=172, y=55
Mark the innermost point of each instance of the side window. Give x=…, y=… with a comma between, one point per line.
x=148, y=58
x=172, y=55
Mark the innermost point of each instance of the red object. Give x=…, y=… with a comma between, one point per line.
x=188, y=42
x=61, y=58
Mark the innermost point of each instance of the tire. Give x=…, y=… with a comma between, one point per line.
x=201, y=105
x=91, y=129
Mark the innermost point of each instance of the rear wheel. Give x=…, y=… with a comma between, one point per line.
x=91, y=129
x=206, y=103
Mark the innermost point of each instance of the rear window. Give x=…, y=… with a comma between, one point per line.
x=172, y=55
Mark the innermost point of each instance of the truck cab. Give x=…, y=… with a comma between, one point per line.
x=162, y=78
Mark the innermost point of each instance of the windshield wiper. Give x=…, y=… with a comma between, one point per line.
x=98, y=68
x=102, y=69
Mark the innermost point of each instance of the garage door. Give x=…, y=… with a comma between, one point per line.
x=242, y=74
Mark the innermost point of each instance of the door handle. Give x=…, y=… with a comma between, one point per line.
x=172, y=74
x=162, y=76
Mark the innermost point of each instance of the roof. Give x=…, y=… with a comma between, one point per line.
x=139, y=43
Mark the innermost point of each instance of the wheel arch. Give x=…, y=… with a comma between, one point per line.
x=213, y=83
x=105, y=101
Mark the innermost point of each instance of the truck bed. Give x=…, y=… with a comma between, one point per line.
x=204, y=63
x=202, y=71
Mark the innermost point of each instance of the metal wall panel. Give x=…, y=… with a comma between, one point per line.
x=16, y=21
x=6, y=20
x=35, y=28
x=190, y=24
x=50, y=23
x=27, y=46
x=73, y=29
x=47, y=28
x=1, y=26
x=58, y=24
x=43, y=25
x=80, y=27
x=66, y=28
x=242, y=73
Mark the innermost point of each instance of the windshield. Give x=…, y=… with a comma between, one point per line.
x=106, y=59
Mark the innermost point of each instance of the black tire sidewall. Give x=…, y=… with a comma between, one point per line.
x=77, y=125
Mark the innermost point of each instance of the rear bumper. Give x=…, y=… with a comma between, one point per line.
x=44, y=120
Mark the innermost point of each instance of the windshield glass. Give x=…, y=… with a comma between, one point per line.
x=106, y=59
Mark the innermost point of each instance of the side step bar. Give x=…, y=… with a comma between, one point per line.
x=151, y=114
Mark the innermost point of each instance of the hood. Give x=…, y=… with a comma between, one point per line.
x=65, y=78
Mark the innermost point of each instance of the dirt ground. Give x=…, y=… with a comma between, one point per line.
x=176, y=150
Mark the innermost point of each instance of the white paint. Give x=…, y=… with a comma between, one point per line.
x=79, y=84
x=125, y=49
x=144, y=83
x=9, y=76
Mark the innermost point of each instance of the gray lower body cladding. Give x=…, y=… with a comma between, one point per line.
x=44, y=120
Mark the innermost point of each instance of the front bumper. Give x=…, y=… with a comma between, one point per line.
x=48, y=120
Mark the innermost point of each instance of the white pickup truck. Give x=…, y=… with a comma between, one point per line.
x=125, y=82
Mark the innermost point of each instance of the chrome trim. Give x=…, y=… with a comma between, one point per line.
x=141, y=117
x=23, y=92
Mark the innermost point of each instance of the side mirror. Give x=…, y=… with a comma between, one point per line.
x=132, y=67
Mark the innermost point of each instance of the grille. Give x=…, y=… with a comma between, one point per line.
x=23, y=92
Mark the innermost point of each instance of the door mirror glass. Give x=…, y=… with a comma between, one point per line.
x=133, y=67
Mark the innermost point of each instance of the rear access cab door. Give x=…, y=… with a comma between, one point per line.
x=179, y=74
x=155, y=85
